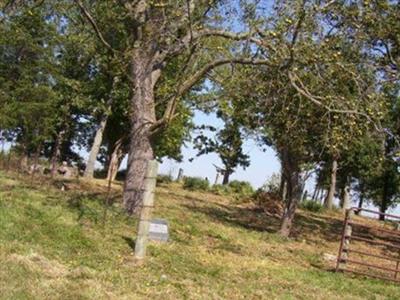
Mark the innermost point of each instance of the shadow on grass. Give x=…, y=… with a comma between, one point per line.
x=248, y=218
x=328, y=228
x=93, y=206
x=131, y=242
x=254, y=218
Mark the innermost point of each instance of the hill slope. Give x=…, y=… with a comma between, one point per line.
x=65, y=245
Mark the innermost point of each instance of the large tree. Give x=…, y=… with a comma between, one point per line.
x=157, y=32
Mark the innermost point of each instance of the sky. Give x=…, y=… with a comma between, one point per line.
x=262, y=166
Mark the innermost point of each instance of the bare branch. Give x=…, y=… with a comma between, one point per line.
x=193, y=36
x=94, y=24
x=302, y=90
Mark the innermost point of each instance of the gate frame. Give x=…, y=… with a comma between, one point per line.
x=347, y=236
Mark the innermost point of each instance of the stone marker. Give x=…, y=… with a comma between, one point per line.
x=158, y=230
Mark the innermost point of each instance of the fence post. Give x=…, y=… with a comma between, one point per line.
x=145, y=212
x=345, y=243
x=180, y=175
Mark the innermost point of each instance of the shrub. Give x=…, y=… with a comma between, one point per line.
x=220, y=189
x=269, y=202
x=164, y=179
x=243, y=188
x=195, y=184
x=312, y=206
x=272, y=185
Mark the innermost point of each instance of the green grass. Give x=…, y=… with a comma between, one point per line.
x=59, y=245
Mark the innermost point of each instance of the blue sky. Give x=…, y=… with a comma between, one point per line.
x=262, y=166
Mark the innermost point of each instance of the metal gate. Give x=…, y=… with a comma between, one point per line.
x=370, y=248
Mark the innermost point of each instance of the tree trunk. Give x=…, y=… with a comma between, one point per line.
x=282, y=186
x=56, y=152
x=24, y=162
x=316, y=191
x=115, y=160
x=94, y=151
x=385, y=199
x=142, y=118
x=34, y=166
x=361, y=199
x=225, y=180
x=305, y=195
x=293, y=192
x=346, y=201
x=332, y=188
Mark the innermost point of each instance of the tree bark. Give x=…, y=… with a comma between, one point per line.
x=361, y=199
x=94, y=151
x=332, y=188
x=282, y=186
x=292, y=171
x=225, y=179
x=315, y=193
x=346, y=201
x=142, y=118
x=56, y=152
x=385, y=198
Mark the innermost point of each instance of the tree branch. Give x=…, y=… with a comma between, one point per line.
x=94, y=24
x=302, y=90
x=193, y=36
x=169, y=113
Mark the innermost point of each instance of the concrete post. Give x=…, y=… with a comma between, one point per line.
x=145, y=212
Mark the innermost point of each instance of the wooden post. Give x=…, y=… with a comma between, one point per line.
x=216, y=178
x=145, y=212
x=180, y=175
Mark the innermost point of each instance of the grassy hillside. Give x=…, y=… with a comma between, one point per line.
x=65, y=245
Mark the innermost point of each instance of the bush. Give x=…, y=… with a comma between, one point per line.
x=269, y=202
x=220, y=189
x=312, y=206
x=195, y=184
x=242, y=188
x=273, y=184
x=164, y=179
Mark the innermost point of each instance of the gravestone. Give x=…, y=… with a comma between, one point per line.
x=158, y=230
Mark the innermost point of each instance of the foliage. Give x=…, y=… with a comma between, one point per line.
x=164, y=179
x=236, y=188
x=273, y=184
x=243, y=188
x=221, y=189
x=311, y=205
x=227, y=144
x=195, y=184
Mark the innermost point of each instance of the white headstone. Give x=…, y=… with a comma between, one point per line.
x=158, y=230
